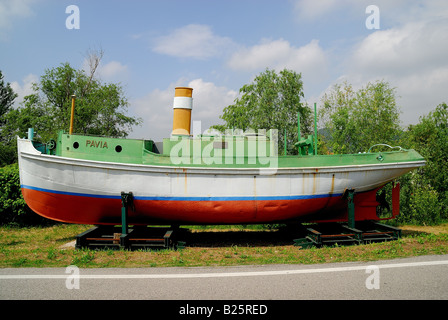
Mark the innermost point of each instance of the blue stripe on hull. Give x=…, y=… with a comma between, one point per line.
x=236, y=198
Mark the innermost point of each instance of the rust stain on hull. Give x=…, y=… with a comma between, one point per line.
x=255, y=197
x=332, y=184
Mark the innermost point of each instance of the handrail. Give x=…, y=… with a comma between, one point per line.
x=386, y=145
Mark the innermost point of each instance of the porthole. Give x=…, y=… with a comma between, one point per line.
x=76, y=145
x=118, y=148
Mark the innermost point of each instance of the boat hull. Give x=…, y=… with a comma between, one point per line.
x=89, y=192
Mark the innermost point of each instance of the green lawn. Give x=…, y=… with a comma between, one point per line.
x=51, y=247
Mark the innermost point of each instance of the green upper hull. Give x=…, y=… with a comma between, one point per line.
x=231, y=152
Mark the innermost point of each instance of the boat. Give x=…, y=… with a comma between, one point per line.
x=191, y=179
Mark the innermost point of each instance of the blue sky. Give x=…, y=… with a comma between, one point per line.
x=217, y=46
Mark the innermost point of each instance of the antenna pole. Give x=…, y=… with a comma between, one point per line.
x=72, y=114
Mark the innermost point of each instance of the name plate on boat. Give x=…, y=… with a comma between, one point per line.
x=96, y=144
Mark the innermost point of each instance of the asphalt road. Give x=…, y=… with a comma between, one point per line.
x=418, y=278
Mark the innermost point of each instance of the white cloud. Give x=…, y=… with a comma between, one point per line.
x=311, y=9
x=25, y=88
x=112, y=70
x=420, y=93
x=12, y=10
x=343, y=10
x=310, y=59
x=413, y=48
x=156, y=109
x=192, y=41
x=209, y=101
x=410, y=56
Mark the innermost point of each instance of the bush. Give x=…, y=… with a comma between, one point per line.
x=424, y=206
x=424, y=192
x=11, y=199
x=419, y=204
x=13, y=209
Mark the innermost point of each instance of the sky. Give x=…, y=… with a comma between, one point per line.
x=217, y=46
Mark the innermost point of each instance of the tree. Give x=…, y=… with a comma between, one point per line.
x=430, y=138
x=426, y=189
x=357, y=120
x=271, y=101
x=7, y=97
x=100, y=108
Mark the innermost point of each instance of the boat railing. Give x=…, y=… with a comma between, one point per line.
x=386, y=145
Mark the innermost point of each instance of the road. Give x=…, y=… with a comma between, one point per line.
x=417, y=278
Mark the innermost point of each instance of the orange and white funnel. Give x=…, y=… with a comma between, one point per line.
x=183, y=104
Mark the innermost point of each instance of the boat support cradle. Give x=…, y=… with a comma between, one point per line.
x=328, y=234
x=129, y=237
x=348, y=233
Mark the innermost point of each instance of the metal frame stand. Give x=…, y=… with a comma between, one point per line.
x=126, y=202
x=126, y=237
x=343, y=234
x=350, y=195
x=328, y=234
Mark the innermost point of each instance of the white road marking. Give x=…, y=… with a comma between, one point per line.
x=222, y=274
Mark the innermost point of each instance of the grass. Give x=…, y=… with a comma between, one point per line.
x=225, y=246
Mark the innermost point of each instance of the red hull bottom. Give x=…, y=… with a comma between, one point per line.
x=107, y=211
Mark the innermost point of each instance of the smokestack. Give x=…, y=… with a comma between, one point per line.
x=183, y=103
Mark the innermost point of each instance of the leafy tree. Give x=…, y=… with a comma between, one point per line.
x=430, y=137
x=99, y=110
x=426, y=190
x=271, y=101
x=357, y=120
x=419, y=201
x=7, y=97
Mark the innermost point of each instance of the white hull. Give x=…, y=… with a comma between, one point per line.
x=52, y=175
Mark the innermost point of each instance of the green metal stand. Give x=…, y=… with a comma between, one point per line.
x=328, y=234
x=126, y=203
x=346, y=233
x=137, y=237
x=351, y=208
